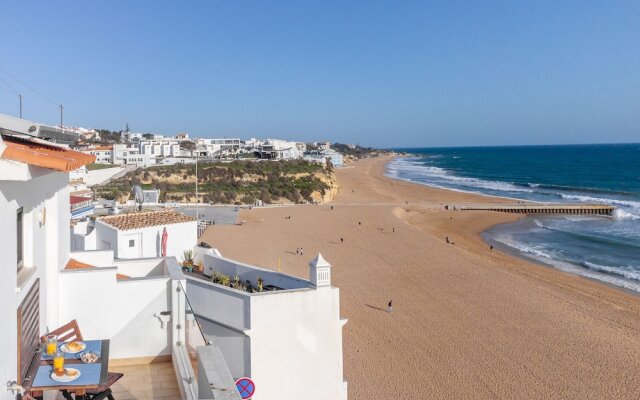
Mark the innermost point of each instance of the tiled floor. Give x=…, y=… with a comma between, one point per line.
x=148, y=381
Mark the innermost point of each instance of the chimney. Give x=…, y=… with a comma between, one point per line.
x=320, y=272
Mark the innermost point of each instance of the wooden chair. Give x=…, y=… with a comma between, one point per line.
x=104, y=391
x=66, y=333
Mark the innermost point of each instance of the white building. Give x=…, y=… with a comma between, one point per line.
x=160, y=148
x=321, y=156
x=218, y=147
x=276, y=149
x=124, y=154
x=103, y=154
x=137, y=234
x=138, y=305
x=288, y=338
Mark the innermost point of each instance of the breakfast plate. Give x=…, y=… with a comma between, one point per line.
x=73, y=347
x=70, y=375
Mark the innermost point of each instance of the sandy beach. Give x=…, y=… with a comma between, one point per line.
x=467, y=322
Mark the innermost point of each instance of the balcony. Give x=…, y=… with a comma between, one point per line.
x=156, y=340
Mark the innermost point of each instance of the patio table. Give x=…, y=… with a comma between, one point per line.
x=91, y=375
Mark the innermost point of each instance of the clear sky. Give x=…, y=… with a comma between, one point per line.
x=378, y=73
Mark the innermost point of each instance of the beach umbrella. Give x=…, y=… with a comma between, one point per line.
x=165, y=236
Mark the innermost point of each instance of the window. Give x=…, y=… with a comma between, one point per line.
x=132, y=243
x=19, y=238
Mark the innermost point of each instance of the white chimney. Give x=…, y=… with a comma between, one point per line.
x=320, y=272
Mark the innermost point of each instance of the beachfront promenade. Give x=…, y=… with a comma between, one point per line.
x=534, y=208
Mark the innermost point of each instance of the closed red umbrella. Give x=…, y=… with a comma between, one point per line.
x=165, y=236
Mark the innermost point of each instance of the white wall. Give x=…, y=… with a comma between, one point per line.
x=182, y=236
x=122, y=311
x=296, y=344
x=39, y=189
x=286, y=341
x=216, y=263
x=97, y=258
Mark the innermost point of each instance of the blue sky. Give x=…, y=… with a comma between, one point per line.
x=378, y=73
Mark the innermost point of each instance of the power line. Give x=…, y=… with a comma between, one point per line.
x=49, y=99
x=9, y=88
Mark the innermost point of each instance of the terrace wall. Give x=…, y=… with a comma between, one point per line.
x=122, y=311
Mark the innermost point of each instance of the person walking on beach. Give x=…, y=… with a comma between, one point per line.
x=390, y=306
x=447, y=239
x=301, y=251
x=341, y=240
x=297, y=250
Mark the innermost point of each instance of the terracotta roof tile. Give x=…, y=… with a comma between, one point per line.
x=77, y=199
x=75, y=264
x=41, y=155
x=137, y=220
x=122, y=276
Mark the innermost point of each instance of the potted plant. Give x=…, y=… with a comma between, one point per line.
x=225, y=280
x=260, y=282
x=187, y=264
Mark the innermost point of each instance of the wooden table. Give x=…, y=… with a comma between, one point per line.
x=73, y=359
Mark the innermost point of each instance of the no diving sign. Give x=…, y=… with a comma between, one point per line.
x=245, y=387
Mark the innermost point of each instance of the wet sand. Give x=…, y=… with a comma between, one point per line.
x=467, y=322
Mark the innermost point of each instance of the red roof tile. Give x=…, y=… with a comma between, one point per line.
x=137, y=220
x=41, y=155
x=75, y=264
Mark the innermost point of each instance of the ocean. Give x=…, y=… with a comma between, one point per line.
x=602, y=248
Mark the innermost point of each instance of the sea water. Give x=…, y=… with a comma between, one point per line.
x=607, y=249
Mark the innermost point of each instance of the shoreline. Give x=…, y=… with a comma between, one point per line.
x=467, y=322
x=507, y=250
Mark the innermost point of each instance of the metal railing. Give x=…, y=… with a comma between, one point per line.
x=203, y=224
x=192, y=351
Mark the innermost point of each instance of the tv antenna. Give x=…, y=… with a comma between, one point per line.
x=138, y=195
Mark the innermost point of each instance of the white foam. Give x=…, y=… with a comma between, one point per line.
x=622, y=214
x=429, y=172
x=623, y=278
x=634, y=274
x=590, y=199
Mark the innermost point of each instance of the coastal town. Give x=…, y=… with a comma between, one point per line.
x=140, y=251
x=319, y=200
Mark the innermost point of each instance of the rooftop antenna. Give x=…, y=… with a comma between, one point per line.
x=61, y=108
x=138, y=195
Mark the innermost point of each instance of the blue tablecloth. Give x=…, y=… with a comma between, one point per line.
x=92, y=345
x=89, y=375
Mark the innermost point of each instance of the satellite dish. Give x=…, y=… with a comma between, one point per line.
x=138, y=195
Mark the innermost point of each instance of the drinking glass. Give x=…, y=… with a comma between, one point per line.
x=51, y=344
x=58, y=363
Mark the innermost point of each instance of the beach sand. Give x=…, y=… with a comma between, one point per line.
x=467, y=322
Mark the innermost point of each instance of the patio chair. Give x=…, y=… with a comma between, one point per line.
x=66, y=333
x=70, y=332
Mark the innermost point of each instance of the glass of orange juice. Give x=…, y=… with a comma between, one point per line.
x=51, y=344
x=58, y=363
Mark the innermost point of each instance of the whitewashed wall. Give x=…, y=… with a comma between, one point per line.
x=296, y=344
x=287, y=341
x=181, y=237
x=122, y=311
x=35, y=189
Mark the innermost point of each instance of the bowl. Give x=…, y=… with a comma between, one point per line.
x=89, y=357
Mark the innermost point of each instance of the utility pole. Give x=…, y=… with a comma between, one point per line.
x=61, y=108
x=20, y=97
x=197, y=209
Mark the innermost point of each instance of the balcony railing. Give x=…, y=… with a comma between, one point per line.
x=192, y=351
